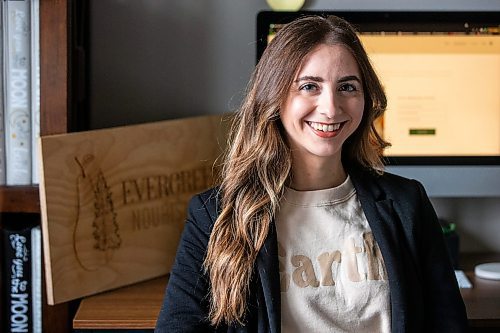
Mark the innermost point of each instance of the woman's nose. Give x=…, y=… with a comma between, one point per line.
x=327, y=103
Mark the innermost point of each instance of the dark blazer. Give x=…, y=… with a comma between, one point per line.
x=423, y=289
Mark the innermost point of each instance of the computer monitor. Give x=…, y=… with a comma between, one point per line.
x=441, y=74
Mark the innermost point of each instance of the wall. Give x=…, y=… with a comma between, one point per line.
x=190, y=57
x=153, y=60
x=477, y=220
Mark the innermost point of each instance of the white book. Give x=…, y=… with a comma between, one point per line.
x=17, y=95
x=2, y=104
x=36, y=280
x=35, y=87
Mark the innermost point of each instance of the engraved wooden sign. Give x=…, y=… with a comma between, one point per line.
x=114, y=201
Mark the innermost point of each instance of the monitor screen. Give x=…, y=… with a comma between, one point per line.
x=441, y=75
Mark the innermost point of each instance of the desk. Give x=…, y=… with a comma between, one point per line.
x=136, y=307
x=483, y=299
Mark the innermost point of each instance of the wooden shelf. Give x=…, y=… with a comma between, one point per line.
x=133, y=307
x=19, y=199
x=55, y=106
x=54, y=66
x=54, y=94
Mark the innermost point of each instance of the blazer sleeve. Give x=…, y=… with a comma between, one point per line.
x=185, y=305
x=444, y=306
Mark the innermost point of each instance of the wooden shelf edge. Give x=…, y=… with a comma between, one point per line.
x=114, y=324
x=131, y=307
x=19, y=199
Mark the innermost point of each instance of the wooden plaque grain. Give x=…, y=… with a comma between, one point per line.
x=114, y=201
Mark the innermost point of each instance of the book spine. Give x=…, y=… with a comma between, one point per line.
x=36, y=281
x=17, y=280
x=35, y=87
x=2, y=104
x=17, y=118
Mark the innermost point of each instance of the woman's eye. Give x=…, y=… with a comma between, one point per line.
x=309, y=87
x=348, y=87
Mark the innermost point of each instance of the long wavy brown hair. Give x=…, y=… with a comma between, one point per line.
x=258, y=162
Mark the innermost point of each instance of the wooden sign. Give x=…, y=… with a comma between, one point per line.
x=114, y=201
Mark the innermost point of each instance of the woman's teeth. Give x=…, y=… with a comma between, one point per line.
x=324, y=127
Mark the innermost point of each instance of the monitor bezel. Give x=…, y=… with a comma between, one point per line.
x=397, y=21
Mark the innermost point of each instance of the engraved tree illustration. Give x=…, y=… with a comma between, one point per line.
x=105, y=229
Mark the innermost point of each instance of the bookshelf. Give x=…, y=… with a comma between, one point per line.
x=55, y=92
x=19, y=199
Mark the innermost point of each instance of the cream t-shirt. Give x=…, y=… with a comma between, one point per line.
x=333, y=277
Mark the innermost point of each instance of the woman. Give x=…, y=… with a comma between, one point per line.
x=306, y=233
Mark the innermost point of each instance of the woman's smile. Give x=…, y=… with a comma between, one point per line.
x=325, y=130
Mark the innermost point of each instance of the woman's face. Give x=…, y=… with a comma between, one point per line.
x=324, y=105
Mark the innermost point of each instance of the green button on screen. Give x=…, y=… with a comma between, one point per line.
x=422, y=131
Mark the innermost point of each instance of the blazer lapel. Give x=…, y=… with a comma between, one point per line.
x=385, y=227
x=268, y=270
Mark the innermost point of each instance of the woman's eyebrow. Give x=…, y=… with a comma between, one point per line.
x=349, y=78
x=320, y=79
x=310, y=78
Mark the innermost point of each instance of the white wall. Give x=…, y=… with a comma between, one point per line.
x=153, y=60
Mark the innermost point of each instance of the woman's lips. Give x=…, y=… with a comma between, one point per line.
x=326, y=130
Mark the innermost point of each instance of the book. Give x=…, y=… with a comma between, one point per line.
x=36, y=280
x=22, y=283
x=2, y=132
x=17, y=87
x=35, y=88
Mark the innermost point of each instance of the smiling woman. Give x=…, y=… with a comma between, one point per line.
x=306, y=233
x=323, y=108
